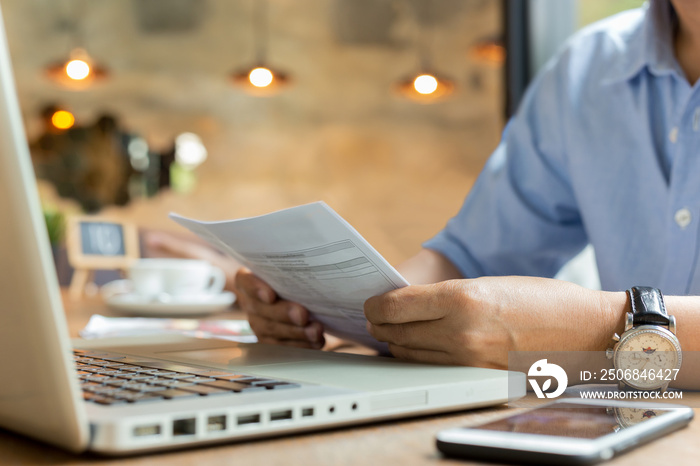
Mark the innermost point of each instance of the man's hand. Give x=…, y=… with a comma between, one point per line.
x=272, y=319
x=476, y=322
x=275, y=320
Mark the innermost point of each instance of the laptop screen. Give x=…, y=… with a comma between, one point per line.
x=39, y=395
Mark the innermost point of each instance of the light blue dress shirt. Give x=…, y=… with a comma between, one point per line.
x=604, y=149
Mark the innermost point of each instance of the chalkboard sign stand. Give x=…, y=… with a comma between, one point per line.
x=98, y=243
x=80, y=281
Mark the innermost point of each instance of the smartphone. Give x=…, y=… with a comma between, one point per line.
x=570, y=431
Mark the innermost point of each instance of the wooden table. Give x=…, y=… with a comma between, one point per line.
x=407, y=442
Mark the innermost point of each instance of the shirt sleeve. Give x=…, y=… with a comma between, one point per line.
x=521, y=216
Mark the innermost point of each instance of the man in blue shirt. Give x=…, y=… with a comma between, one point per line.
x=605, y=149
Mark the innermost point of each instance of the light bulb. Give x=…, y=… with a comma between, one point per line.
x=260, y=77
x=62, y=119
x=77, y=69
x=189, y=150
x=425, y=84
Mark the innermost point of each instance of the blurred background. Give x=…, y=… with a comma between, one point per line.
x=168, y=115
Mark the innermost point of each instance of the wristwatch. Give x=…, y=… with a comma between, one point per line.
x=648, y=355
x=627, y=417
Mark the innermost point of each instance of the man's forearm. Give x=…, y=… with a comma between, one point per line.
x=686, y=309
x=613, y=307
x=427, y=267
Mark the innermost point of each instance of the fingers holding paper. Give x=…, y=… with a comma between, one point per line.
x=434, y=324
x=476, y=322
x=275, y=320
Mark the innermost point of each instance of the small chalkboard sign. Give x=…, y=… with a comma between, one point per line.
x=102, y=239
x=98, y=243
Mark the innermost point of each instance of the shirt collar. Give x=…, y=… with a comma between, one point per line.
x=649, y=46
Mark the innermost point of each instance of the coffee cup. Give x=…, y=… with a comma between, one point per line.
x=155, y=278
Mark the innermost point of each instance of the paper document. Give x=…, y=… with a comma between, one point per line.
x=107, y=327
x=310, y=255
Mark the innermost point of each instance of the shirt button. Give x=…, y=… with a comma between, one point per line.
x=673, y=135
x=683, y=218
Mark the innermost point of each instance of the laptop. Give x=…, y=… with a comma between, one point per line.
x=131, y=395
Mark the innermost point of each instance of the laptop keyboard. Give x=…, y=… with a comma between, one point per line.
x=109, y=379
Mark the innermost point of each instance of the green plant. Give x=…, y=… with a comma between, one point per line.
x=55, y=224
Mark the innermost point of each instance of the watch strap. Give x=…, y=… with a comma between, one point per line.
x=647, y=306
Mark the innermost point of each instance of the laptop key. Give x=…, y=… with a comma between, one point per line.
x=159, y=379
x=148, y=388
x=142, y=370
x=116, y=381
x=88, y=385
x=174, y=384
x=161, y=373
x=91, y=368
x=176, y=375
x=110, y=364
x=174, y=393
x=107, y=400
x=134, y=376
x=109, y=372
x=205, y=390
x=141, y=387
x=89, y=396
x=96, y=378
x=84, y=360
x=101, y=388
x=198, y=379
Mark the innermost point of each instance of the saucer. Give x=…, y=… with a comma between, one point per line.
x=118, y=296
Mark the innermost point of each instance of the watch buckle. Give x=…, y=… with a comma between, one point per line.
x=672, y=324
x=629, y=321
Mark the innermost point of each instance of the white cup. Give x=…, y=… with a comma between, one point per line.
x=153, y=278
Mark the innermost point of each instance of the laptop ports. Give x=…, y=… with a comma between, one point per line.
x=216, y=423
x=184, y=427
x=283, y=415
x=248, y=419
x=146, y=430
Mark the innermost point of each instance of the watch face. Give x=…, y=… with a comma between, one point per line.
x=627, y=417
x=648, y=358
